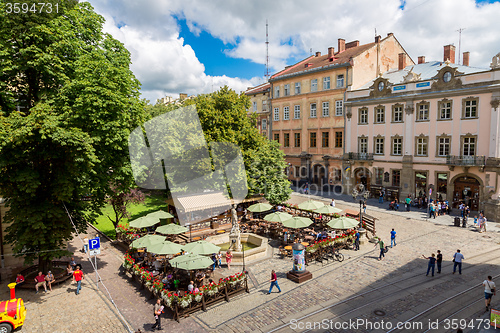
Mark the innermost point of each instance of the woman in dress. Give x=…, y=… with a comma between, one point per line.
x=229, y=258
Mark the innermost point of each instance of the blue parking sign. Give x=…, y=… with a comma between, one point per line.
x=94, y=243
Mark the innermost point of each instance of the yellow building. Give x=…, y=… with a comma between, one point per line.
x=307, y=106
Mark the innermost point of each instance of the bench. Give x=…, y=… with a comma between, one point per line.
x=59, y=278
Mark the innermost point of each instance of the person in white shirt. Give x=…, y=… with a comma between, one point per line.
x=457, y=261
x=332, y=203
x=157, y=265
x=489, y=291
x=191, y=286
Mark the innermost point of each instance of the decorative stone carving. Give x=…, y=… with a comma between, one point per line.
x=234, y=234
x=453, y=83
x=495, y=103
x=411, y=76
x=409, y=109
x=348, y=112
x=495, y=62
x=380, y=87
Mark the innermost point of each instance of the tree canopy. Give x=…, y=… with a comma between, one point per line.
x=68, y=102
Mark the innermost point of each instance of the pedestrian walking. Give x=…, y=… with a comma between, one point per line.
x=157, y=313
x=274, y=282
x=439, y=260
x=85, y=244
x=219, y=259
x=356, y=241
x=489, y=291
x=229, y=258
x=431, y=265
x=78, y=277
x=364, y=206
x=332, y=203
x=380, y=197
x=214, y=260
x=457, y=261
x=381, y=244
x=393, y=238
x=408, y=203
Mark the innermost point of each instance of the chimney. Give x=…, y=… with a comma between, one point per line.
x=377, y=39
x=341, y=45
x=449, y=53
x=402, y=61
x=421, y=59
x=390, y=34
x=352, y=44
x=318, y=54
x=466, y=59
x=331, y=52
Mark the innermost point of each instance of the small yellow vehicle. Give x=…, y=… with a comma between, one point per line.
x=12, y=312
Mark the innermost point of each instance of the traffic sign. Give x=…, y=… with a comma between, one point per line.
x=95, y=252
x=94, y=243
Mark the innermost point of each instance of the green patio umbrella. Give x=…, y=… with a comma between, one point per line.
x=277, y=217
x=147, y=240
x=311, y=205
x=201, y=247
x=160, y=214
x=260, y=207
x=171, y=229
x=143, y=222
x=327, y=210
x=165, y=248
x=297, y=222
x=191, y=261
x=343, y=223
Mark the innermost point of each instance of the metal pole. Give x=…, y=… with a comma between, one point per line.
x=96, y=275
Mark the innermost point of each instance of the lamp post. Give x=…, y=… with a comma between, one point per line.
x=189, y=225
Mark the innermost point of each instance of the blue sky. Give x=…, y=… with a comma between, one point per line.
x=194, y=46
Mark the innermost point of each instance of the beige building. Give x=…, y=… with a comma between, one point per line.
x=259, y=105
x=307, y=106
x=428, y=128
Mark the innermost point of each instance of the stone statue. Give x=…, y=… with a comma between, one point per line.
x=495, y=62
x=234, y=234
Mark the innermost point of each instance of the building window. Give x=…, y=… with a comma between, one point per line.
x=379, y=114
x=296, y=112
x=397, y=146
x=264, y=105
x=339, y=108
x=277, y=137
x=297, y=88
x=286, y=140
x=297, y=139
x=363, y=116
x=379, y=146
x=442, y=183
x=313, y=110
x=423, y=111
x=314, y=85
x=340, y=81
x=469, y=107
x=286, y=113
x=444, y=144
x=338, y=139
x=379, y=175
x=469, y=146
x=326, y=83
x=325, y=139
x=254, y=106
x=444, y=110
x=264, y=124
x=276, y=92
x=338, y=175
x=276, y=114
x=397, y=113
x=363, y=145
x=312, y=139
x=396, y=178
x=287, y=89
x=421, y=143
x=326, y=109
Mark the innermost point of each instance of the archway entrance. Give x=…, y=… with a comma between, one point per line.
x=362, y=176
x=466, y=190
x=319, y=174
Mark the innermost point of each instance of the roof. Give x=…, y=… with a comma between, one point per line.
x=203, y=201
x=427, y=71
x=258, y=89
x=314, y=62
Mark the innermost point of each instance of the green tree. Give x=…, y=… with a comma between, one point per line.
x=68, y=102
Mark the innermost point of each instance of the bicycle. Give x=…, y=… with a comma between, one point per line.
x=337, y=255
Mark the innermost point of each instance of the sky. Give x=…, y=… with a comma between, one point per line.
x=197, y=46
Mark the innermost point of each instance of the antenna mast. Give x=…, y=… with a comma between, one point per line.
x=267, y=53
x=459, y=42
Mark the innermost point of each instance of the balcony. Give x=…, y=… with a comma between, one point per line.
x=465, y=160
x=361, y=156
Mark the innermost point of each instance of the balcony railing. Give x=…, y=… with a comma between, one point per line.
x=361, y=156
x=466, y=160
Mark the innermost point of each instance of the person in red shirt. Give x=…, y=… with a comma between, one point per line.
x=78, y=277
x=274, y=282
x=19, y=279
x=40, y=281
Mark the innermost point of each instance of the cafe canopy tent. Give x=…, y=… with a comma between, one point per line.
x=165, y=248
x=277, y=217
x=147, y=240
x=297, y=222
x=260, y=207
x=328, y=210
x=343, y=223
x=201, y=247
x=310, y=205
x=143, y=222
x=171, y=229
x=160, y=214
x=191, y=262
